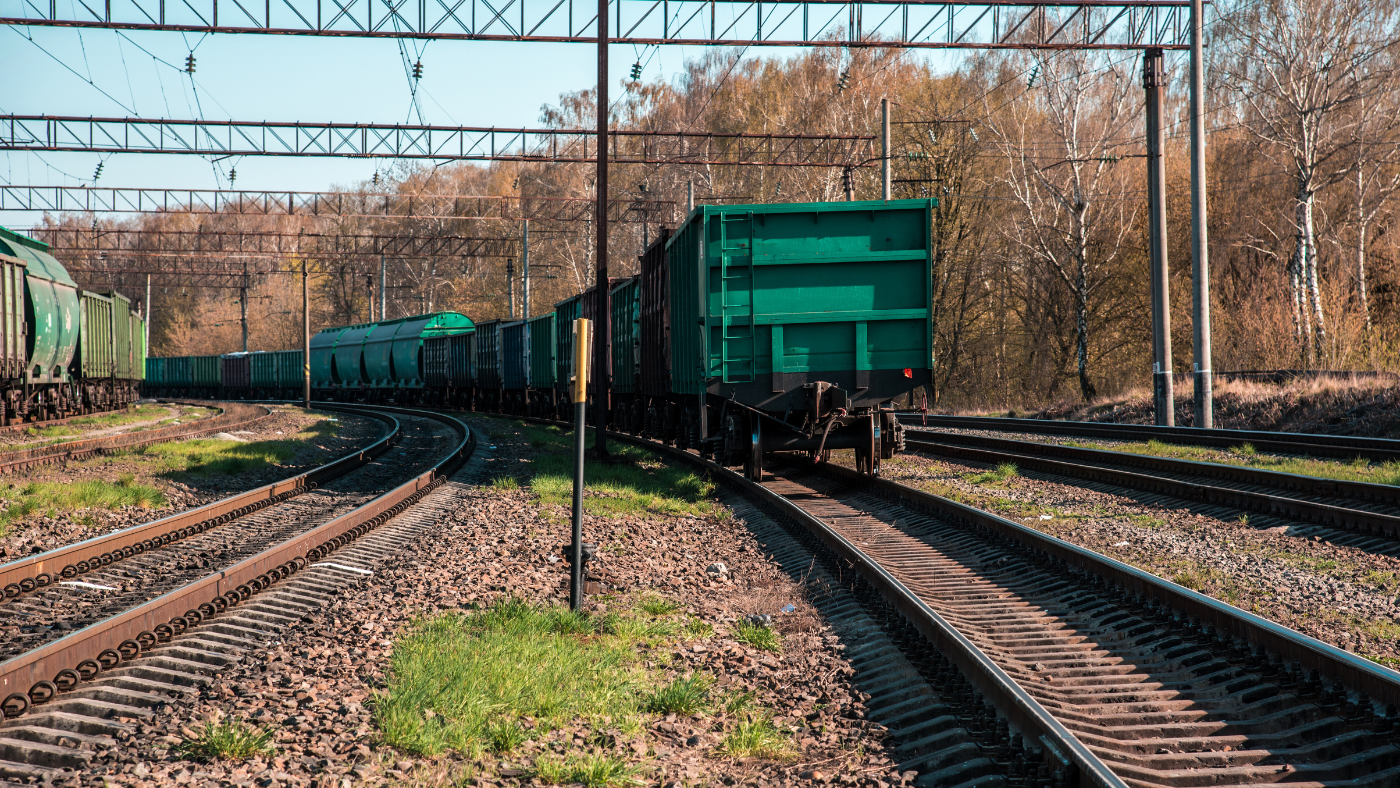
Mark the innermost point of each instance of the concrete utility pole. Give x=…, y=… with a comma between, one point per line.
x=147, y=328
x=689, y=197
x=369, y=296
x=243, y=305
x=885, y=149
x=1200, y=263
x=602, y=333
x=305, y=334
x=382, y=290
x=510, y=287
x=1154, y=81
x=525, y=288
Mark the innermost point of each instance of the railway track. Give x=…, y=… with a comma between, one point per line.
x=1055, y=666
x=149, y=625
x=1305, y=443
x=232, y=416
x=1359, y=514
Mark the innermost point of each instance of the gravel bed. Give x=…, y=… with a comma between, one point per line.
x=1338, y=594
x=316, y=687
x=20, y=439
x=51, y=613
x=39, y=532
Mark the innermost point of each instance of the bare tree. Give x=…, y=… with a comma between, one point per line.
x=1299, y=69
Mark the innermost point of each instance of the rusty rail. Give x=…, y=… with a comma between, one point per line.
x=39, y=675
x=69, y=561
x=237, y=415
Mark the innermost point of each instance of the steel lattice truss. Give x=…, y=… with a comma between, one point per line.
x=458, y=143
x=225, y=244
x=93, y=199
x=1096, y=24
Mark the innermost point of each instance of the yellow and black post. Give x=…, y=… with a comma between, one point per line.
x=580, y=392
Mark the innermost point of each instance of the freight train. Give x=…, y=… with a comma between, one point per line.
x=64, y=351
x=750, y=329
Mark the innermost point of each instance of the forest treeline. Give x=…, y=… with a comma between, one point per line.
x=1040, y=270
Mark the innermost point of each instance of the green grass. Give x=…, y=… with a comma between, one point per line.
x=1000, y=474
x=477, y=671
x=502, y=483
x=229, y=739
x=637, y=484
x=589, y=770
x=205, y=457
x=695, y=629
x=755, y=736
x=20, y=501
x=658, y=606
x=685, y=695
x=756, y=636
x=114, y=419
x=1355, y=470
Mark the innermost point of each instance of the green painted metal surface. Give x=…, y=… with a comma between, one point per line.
x=52, y=312
x=378, y=354
x=349, y=360
x=204, y=371
x=97, y=349
x=289, y=369
x=626, y=325
x=806, y=287
x=121, y=331
x=323, y=349
x=408, y=342
x=542, y=362
x=14, y=353
x=565, y=313
x=264, y=371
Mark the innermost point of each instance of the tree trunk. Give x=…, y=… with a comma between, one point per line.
x=1319, y=334
x=1361, y=221
x=1081, y=317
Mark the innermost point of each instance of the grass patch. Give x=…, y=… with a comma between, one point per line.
x=227, y=740
x=755, y=736
x=659, y=606
x=686, y=695
x=588, y=770
x=210, y=457
x=479, y=671
x=695, y=629
x=759, y=637
x=503, y=483
x=1356, y=470
x=55, y=497
x=114, y=419
x=998, y=475
x=638, y=483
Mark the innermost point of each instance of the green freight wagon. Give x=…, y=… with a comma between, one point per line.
x=264, y=373
x=543, y=366
x=626, y=320
x=565, y=313
x=290, y=374
x=819, y=309
x=121, y=331
x=408, y=342
x=179, y=374
x=97, y=356
x=323, y=348
x=155, y=374
x=350, y=370
x=204, y=374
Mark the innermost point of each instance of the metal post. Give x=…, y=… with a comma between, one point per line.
x=1154, y=81
x=382, y=289
x=243, y=314
x=525, y=274
x=1200, y=264
x=885, y=149
x=147, y=328
x=689, y=197
x=305, y=334
x=369, y=296
x=580, y=391
x=510, y=287
x=600, y=353
x=848, y=182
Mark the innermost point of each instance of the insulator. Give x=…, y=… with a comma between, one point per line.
x=98, y=173
x=636, y=71
x=189, y=63
x=375, y=179
x=232, y=175
x=418, y=70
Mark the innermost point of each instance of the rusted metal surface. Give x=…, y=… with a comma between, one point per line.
x=233, y=415
x=26, y=678
x=1333, y=507
x=72, y=560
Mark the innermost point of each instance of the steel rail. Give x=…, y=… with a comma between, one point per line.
x=1027, y=454
x=1083, y=769
x=11, y=461
x=37, y=676
x=1309, y=443
x=1359, y=673
x=69, y=561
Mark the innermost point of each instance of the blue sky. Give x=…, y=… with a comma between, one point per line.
x=251, y=77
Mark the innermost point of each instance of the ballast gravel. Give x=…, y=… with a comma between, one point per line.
x=315, y=688
x=41, y=532
x=1335, y=593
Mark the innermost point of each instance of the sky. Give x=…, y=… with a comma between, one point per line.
x=251, y=77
